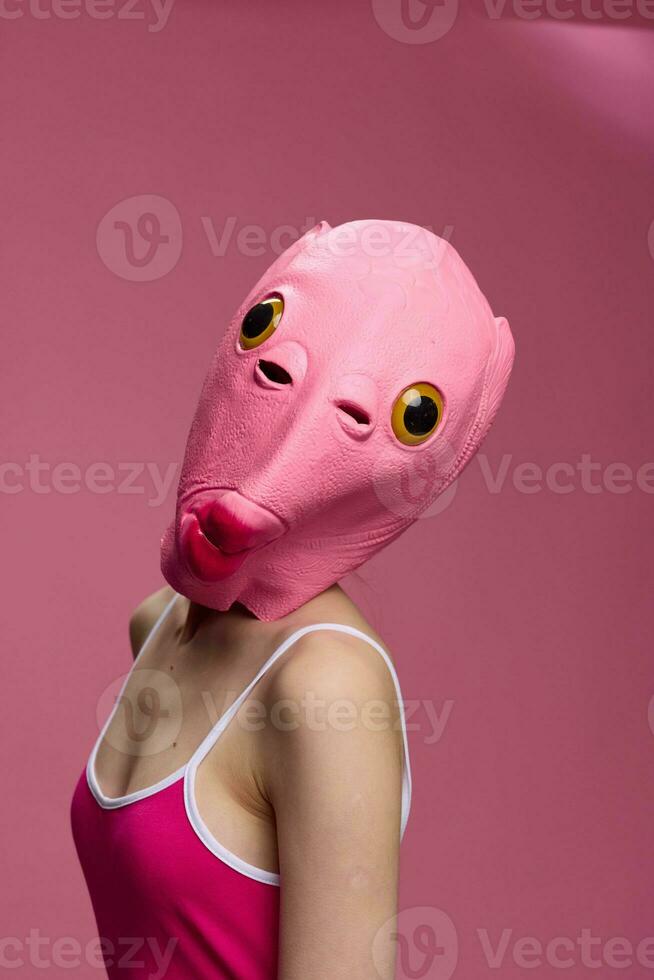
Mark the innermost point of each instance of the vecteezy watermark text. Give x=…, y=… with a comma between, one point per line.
x=426, y=21
x=591, y=10
x=565, y=952
x=154, y=12
x=42, y=477
x=131, y=953
x=373, y=239
x=563, y=477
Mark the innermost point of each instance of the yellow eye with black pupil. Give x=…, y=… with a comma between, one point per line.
x=416, y=413
x=260, y=322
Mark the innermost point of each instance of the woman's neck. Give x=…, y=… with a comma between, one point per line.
x=198, y=616
x=238, y=620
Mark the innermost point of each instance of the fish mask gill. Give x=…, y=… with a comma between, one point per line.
x=353, y=385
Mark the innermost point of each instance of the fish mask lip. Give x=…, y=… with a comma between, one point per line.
x=219, y=528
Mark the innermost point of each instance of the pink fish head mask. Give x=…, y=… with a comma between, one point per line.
x=351, y=388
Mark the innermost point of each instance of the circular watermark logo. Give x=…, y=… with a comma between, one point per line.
x=423, y=941
x=140, y=238
x=416, y=21
x=148, y=715
x=406, y=487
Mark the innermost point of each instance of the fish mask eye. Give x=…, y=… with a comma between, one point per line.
x=260, y=322
x=417, y=413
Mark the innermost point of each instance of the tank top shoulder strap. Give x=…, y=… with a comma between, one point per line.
x=233, y=709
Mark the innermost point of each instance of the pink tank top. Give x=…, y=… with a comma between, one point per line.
x=169, y=900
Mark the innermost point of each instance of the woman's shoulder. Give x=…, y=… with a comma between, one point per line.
x=352, y=662
x=146, y=615
x=332, y=707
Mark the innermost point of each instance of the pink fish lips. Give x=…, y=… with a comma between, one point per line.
x=219, y=529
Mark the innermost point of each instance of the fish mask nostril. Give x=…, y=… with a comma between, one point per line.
x=358, y=414
x=274, y=372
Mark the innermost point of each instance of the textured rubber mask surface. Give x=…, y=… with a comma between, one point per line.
x=351, y=388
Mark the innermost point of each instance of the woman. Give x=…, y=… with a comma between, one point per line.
x=242, y=810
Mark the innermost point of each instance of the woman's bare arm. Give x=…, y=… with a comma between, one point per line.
x=333, y=769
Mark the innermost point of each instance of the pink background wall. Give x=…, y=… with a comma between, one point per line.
x=521, y=614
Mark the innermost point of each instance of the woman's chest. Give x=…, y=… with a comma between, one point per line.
x=173, y=715
x=163, y=709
